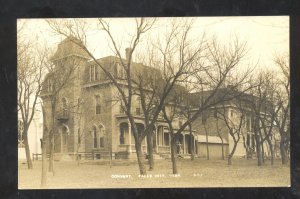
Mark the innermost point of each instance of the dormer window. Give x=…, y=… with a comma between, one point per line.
x=97, y=74
x=121, y=73
x=50, y=85
x=92, y=73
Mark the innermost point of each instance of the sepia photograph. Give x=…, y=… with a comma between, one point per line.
x=166, y=102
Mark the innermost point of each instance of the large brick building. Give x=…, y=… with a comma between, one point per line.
x=89, y=117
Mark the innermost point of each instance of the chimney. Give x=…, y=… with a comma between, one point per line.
x=127, y=52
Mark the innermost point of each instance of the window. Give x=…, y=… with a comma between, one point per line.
x=79, y=136
x=252, y=141
x=64, y=138
x=97, y=75
x=166, y=139
x=20, y=134
x=180, y=124
x=98, y=106
x=248, y=140
x=204, y=119
x=50, y=85
x=78, y=103
x=138, y=108
x=101, y=139
x=123, y=128
x=122, y=137
x=65, y=131
x=215, y=113
x=121, y=73
x=64, y=107
x=248, y=124
x=232, y=113
x=92, y=73
x=95, y=136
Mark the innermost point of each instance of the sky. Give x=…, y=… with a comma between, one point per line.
x=265, y=36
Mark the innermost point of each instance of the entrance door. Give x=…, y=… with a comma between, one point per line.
x=64, y=140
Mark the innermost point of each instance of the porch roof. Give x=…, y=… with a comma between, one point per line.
x=211, y=139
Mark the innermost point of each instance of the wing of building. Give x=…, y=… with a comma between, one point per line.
x=89, y=118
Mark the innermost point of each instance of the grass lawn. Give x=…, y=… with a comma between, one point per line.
x=125, y=174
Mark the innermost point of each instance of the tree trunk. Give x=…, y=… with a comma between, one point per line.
x=232, y=151
x=77, y=155
x=229, y=159
x=27, y=150
x=44, y=163
x=207, y=148
x=262, y=152
x=51, y=159
x=223, y=156
x=140, y=157
x=150, y=150
x=258, y=150
x=271, y=150
x=173, y=158
x=51, y=138
x=283, y=151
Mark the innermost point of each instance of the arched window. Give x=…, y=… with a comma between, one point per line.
x=98, y=106
x=95, y=137
x=20, y=134
x=64, y=107
x=101, y=139
x=65, y=132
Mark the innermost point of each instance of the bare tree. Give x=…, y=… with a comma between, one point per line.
x=219, y=129
x=206, y=138
x=31, y=66
x=264, y=112
x=282, y=102
x=44, y=148
x=234, y=120
x=173, y=55
x=212, y=74
x=61, y=75
x=77, y=29
x=174, y=43
x=267, y=119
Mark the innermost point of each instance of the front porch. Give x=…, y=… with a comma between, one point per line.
x=161, y=140
x=131, y=148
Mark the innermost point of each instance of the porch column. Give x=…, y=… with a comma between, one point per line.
x=129, y=133
x=170, y=143
x=194, y=147
x=145, y=144
x=156, y=141
x=163, y=137
x=183, y=143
